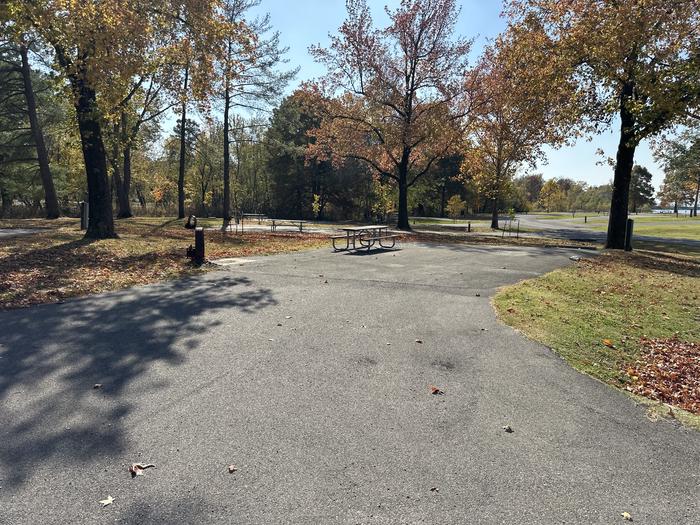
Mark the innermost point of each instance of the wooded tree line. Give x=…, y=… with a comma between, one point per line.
x=401, y=122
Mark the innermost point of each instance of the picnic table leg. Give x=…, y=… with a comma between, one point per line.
x=301, y=224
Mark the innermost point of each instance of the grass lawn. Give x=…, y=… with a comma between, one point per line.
x=671, y=229
x=658, y=225
x=58, y=263
x=598, y=313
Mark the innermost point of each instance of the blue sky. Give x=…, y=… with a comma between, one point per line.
x=305, y=22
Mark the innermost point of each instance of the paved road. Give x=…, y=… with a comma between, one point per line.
x=16, y=232
x=269, y=367
x=563, y=229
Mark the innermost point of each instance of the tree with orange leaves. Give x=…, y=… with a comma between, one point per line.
x=522, y=109
x=635, y=60
x=396, y=98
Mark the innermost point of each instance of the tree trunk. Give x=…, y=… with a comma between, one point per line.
x=403, y=223
x=122, y=160
x=114, y=160
x=697, y=195
x=124, y=201
x=52, y=209
x=617, y=224
x=494, y=214
x=5, y=202
x=227, y=163
x=181, y=173
x=101, y=224
x=443, y=198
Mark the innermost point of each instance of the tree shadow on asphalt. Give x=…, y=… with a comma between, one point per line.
x=51, y=357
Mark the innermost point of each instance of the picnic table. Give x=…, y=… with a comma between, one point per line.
x=277, y=222
x=258, y=216
x=359, y=237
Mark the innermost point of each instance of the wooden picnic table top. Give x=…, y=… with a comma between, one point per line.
x=288, y=220
x=364, y=228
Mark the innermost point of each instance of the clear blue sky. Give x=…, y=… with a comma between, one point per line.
x=306, y=22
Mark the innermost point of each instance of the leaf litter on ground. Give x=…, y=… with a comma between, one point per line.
x=668, y=370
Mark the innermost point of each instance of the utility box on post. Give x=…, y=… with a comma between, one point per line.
x=198, y=246
x=196, y=252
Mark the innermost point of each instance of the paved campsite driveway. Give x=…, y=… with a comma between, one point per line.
x=325, y=421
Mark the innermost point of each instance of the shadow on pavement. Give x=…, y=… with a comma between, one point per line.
x=51, y=357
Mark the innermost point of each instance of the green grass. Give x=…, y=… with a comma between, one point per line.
x=551, y=216
x=666, y=225
x=683, y=229
x=617, y=296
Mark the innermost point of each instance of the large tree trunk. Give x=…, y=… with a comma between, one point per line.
x=181, y=173
x=5, y=202
x=494, y=214
x=617, y=224
x=227, y=163
x=697, y=195
x=52, y=209
x=403, y=223
x=101, y=223
x=122, y=159
x=124, y=201
x=443, y=198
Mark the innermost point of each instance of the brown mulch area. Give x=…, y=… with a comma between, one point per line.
x=57, y=263
x=668, y=370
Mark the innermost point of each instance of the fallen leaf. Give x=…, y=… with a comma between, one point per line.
x=436, y=391
x=137, y=469
x=478, y=295
x=97, y=385
x=609, y=343
x=434, y=489
x=511, y=310
x=627, y=516
x=232, y=469
x=419, y=341
x=107, y=501
x=288, y=317
x=508, y=429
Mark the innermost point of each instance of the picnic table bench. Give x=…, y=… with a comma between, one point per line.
x=361, y=237
x=259, y=216
x=293, y=222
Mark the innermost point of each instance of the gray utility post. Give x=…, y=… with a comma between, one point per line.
x=628, y=235
x=84, y=215
x=199, y=245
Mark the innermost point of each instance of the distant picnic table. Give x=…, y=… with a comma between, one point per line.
x=255, y=216
x=279, y=222
x=364, y=237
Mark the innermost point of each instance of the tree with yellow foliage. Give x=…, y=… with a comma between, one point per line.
x=100, y=47
x=633, y=60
